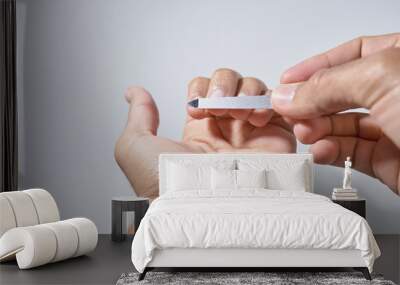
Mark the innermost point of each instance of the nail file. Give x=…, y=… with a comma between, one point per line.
x=236, y=102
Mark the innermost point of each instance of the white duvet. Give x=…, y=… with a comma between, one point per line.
x=250, y=219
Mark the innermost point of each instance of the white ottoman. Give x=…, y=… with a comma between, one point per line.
x=31, y=232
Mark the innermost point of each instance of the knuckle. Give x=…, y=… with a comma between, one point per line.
x=225, y=73
x=252, y=81
x=253, y=85
x=198, y=81
x=319, y=77
x=225, y=79
x=362, y=38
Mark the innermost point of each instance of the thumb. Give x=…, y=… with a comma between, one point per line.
x=143, y=117
x=359, y=83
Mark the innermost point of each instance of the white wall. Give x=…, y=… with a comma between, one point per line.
x=77, y=58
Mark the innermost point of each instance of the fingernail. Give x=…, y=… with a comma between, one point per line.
x=217, y=92
x=283, y=94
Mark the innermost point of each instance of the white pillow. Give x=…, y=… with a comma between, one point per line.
x=223, y=179
x=251, y=178
x=226, y=179
x=285, y=174
x=187, y=177
x=188, y=174
x=293, y=180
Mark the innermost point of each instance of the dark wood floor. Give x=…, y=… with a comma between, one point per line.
x=110, y=260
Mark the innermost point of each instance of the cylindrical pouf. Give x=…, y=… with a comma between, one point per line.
x=23, y=208
x=41, y=244
x=67, y=239
x=87, y=233
x=45, y=205
x=33, y=246
x=7, y=218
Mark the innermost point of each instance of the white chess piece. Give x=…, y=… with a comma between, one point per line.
x=347, y=174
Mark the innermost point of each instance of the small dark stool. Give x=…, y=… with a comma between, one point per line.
x=120, y=205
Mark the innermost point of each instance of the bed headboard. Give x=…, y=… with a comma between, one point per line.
x=282, y=163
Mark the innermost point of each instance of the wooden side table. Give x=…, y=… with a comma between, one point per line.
x=357, y=206
x=119, y=205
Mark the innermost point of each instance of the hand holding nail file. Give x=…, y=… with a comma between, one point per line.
x=236, y=102
x=247, y=102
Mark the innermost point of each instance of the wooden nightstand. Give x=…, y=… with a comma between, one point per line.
x=357, y=206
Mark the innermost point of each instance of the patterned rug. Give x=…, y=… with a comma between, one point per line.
x=269, y=278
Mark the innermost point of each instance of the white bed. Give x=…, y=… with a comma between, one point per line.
x=224, y=217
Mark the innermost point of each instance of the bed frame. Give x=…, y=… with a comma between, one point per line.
x=249, y=259
x=260, y=259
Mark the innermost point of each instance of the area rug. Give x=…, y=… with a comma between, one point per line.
x=233, y=278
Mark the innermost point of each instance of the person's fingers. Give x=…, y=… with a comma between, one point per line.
x=354, y=49
x=346, y=124
x=360, y=83
x=378, y=159
x=386, y=163
x=260, y=117
x=247, y=86
x=250, y=86
x=143, y=118
x=334, y=150
x=224, y=83
x=197, y=88
x=281, y=122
